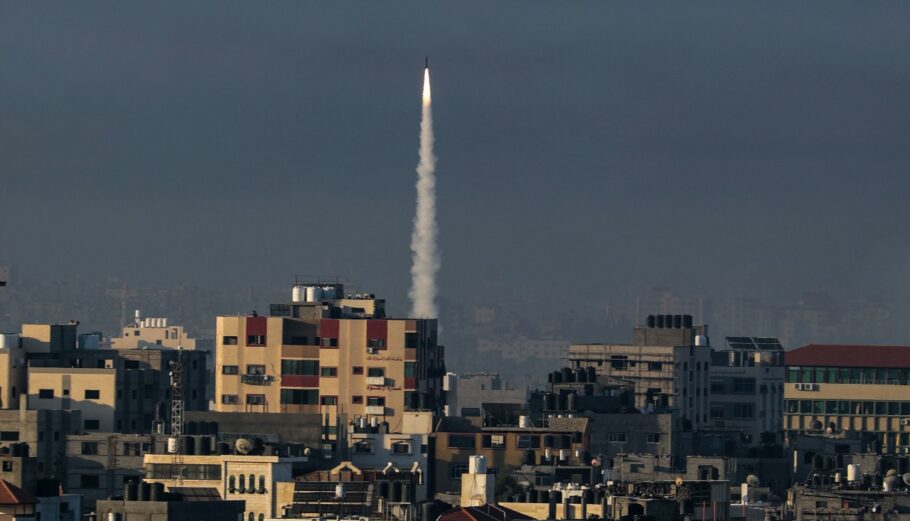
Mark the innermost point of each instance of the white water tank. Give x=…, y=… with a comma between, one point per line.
x=340, y=493
x=313, y=293
x=744, y=492
x=477, y=465
x=298, y=293
x=172, y=445
x=9, y=340
x=853, y=472
x=701, y=340
x=163, y=322
x=524, y=422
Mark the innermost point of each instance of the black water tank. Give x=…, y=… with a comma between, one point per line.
x=144, y=491
x=556, y=496
x=570, y=402
x=427, y=510
x=567, y=375
x=224, y=448
x=581, y=376
x=130, y=491
x=576, y=436
x=551, y=401
x=157, y=492
x=677, y=321
x=205, y=445
x=189, y=445
x=548, y=441
x=396, y=492
x=383, y=489
x=191, y=428
x=687, y=321
x=651, y=321
x=405, y=492
x=557, y=377
x=592, y=374
x=544, y=496
x=660, y=321
x=561, y=402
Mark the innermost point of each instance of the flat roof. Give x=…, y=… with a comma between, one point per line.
x=849, y=355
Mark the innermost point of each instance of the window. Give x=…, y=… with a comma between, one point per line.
x=743, y=410
x=299, y=396
x=470, y=412
x=89, y=447
x=618, y=362
x=744, y=385
x=7, y=466
x=229, y=399
x=229, y=369
x=375, y=371
x=9, y=435
x=66, y=392
x=255, y=340
x=132, y=449
x=410, y=369
x=376, y=401
x=655, y=366
x=401, y=447
x=357, y=399
x=410, y=340
x=328, y=372
x=357, y=370
x=462, y=441
x=91, y=425
x=457, y=469
x=375, y=342
x=616, y=437
x=232, y=484
x=328, y=400
x=653, y=437
x=255, y=399
x=242, y=488
x=45, y=393
x=363, y=447
x=131, y=364
x=255, y=369
x=718, y=386
x=494, y=441
x=252, y=489
x=261, y=488
x=229, y=340
x=89, y=481
x=92, y=394
x=329, y=342
x=526, y=441
x=300, y=367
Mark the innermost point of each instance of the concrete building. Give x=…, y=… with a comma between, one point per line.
x=48, y=338
x=668, y=362
x=91, y=391
x=747, y=390
x=99, y=464
x=506, y=448
x=152, y=332
x=13, y=371
x=850, y=388
x=479, y=394
x=62, y=507
x=340, y=357
x=15, y=503
x=181, y=504
x=247, y=477
x=45, y=432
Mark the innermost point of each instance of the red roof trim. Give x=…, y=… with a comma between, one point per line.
x=842, y=355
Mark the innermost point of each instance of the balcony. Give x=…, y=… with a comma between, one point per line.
x=256, y=379
x=376, y=410
x=378, y=381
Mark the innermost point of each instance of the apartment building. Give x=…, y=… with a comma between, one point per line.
x=338, y=356
x=13, y=371
x=90, y=391
x=863, y=388
x=45, y=433
x=747, y=389
x=152, y=332
x=668, y=362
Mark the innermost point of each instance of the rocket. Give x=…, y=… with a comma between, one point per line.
x=426, y=62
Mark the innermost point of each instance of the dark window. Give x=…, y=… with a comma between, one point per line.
x=328, y=400
x=526, y=441
x=357, y=370
x=300, y=367
x=229, y=340
x=92, y=394
x=255, y=369
x=462, y=441
x=457, y=469
x=45, y=393
x=91, y=425
x=7, y=466
x=363, y=447
x=616, y=437
x=493, y=441
x=357, y=399
x=470, y=412
x=329, y=342
x=229, y=369
x=376, y=401
x=229, y=399
x=255, y=399
x=255, y=340
x=401, y=447
x=232, y=484
x=375, y=342
x=410, y=340
x=66, y=392
x=299, y=396
x=9, y=435
x=131, y=364
x=132, y=449
x=329, y=371
x=410, y=369
x=655, y=366
x=375, y=371
x=89, y=481
x=89, y=447
x=653, y=437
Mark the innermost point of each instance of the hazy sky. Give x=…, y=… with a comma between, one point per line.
x=599, y=147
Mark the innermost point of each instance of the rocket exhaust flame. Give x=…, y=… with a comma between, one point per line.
x=425, y=263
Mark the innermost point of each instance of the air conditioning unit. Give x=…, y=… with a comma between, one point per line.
x=799, y=387
x=905, y=421
x=814, y=387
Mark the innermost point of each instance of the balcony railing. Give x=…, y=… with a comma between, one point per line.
x=378, y=410
x=376, y=380
x=256, y=379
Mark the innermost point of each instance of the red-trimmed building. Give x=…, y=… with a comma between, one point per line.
x=15, y=502
x=328, y=353
x=864, y=388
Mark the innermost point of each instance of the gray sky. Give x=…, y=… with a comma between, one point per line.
x=746, y=148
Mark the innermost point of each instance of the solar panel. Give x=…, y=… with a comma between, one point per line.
x=753, y=343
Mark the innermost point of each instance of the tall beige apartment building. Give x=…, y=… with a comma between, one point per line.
x=329, y=353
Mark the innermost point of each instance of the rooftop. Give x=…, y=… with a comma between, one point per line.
x=12, y=495
x=841, y=355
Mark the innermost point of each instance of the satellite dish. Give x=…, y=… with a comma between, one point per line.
x=243, y=445
x=752, y=480
x=906, y=478
x=679, y=480
x=891, y=472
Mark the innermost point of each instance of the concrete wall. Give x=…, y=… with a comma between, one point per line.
x=69, y=387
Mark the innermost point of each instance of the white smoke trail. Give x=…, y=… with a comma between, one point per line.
x=423, y=240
